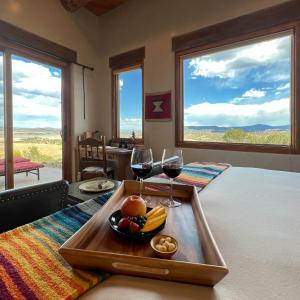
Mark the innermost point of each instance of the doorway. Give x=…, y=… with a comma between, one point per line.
x=34, y=119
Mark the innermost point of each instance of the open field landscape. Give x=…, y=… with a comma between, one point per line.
x=238, y=135
x=39, y=145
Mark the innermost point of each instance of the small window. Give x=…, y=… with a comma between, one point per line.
x=128, y=85
x=127, y=95
x=241, y=94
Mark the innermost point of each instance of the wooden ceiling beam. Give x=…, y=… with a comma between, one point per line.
x=97, y=7
x=73, y=5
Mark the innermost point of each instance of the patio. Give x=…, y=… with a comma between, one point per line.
x=47, y=174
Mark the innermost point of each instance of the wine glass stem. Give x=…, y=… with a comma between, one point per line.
x=171, y=191
x=141, y=187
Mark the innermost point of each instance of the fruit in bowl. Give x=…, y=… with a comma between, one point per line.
x=132, y=222
x=133, y=206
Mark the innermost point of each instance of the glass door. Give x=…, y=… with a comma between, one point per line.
x=37, y=121
x=2, y=138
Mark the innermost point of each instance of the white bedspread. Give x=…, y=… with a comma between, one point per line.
x=254, y=215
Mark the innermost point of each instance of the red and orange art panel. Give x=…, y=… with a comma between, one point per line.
x=158, y=106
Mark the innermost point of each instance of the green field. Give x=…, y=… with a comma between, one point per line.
x=239, y=136
x=39, y=145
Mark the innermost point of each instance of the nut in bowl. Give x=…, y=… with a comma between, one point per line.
x=164, y=246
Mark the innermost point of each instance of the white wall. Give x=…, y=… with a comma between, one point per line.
x=153, y=24
x=78, y=31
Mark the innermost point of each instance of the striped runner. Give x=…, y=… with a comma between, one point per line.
x=30, y=265
x=198, y=174
x=32, y=268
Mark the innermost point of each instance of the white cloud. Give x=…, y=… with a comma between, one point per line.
x=248, y=95
x=232, y=62
x=121, y=84
x=36, y=95
x=284, y=86
x=253, y=93
x=131, y=123
x=276, y=112
x=33, y=77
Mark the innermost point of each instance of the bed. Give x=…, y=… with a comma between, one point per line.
x=22, y=165
x=254, y=215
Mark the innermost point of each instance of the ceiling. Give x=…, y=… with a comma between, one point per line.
x=97, y=7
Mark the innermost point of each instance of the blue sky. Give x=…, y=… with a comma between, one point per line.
x=130, y=91
x=36, y=94
x=242, y=86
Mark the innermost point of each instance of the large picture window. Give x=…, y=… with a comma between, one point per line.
x=237, y=83
x=240, y=94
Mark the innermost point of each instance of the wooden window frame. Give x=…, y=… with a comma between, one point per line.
x=61, y=58
x=128, y=61
x=274, y=20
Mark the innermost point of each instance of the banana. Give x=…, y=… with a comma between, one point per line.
x=157, y=213
x=153, y=223
x=153, y=210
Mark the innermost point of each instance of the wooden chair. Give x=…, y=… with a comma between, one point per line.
x=91, y=159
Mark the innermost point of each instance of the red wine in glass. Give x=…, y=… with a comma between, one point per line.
x=141, y=170
x=141, y=165
x=172, y=162
x=172, y=171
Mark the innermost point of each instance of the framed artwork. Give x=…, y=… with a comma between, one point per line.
x=158, y=106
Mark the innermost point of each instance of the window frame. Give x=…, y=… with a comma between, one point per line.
x=116, y=103
x=10, y=49
x=186, y=45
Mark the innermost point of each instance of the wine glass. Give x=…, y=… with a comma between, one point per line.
x=141, y=165
x=172, y=162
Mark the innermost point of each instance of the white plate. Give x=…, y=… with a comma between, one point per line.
x=96, y=186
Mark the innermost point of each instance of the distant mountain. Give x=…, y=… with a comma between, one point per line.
x=250, y=128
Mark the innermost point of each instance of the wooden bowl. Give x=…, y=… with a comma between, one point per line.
x=162, y=254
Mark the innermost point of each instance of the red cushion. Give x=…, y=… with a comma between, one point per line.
x=16, y=160
x=23, y=166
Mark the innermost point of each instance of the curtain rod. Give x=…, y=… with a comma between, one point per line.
x=50, y=54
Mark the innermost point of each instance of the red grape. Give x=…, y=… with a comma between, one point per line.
x=134, y=227
x=123, y=223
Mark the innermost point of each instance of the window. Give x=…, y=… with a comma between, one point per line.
x=127, y=95
x=239, y=95
x=35, y=135
x=238, y=90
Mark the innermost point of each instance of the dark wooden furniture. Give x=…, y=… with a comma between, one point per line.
x=91, y=159
x=25, y=205
x=76, y=196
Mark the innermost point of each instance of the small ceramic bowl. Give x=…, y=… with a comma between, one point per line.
x=155, y=240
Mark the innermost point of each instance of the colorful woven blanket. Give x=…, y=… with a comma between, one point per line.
x=30, y=265
x=198, y=174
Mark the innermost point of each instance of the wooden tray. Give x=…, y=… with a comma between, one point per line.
x=197, y=261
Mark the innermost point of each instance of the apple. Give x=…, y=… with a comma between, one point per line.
x=133, y=206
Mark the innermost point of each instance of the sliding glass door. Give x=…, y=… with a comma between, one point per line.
x=34, y=119
x=37, y=123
